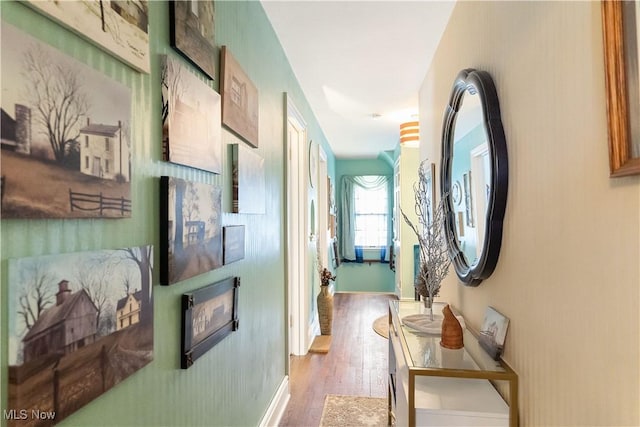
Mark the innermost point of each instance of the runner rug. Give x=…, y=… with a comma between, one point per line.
x=342, y=411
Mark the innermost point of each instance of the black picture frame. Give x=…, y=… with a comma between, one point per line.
x=209, y=314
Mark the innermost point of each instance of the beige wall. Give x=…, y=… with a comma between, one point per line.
x=568, y=275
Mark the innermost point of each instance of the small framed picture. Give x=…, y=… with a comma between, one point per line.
x=493, y=332
x=233, y=243
x=208, y=315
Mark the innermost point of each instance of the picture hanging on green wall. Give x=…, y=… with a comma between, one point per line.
x=191, y=129
x=79, y=324
x=66, y=135
x=118, y=27
x=239, y=99
x=190, y=229
x=192, y=26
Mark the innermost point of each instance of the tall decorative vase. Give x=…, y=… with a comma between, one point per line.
x=325, y=310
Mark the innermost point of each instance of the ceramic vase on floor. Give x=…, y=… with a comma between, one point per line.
x=325, y=310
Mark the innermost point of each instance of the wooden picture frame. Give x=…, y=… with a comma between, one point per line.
x=190, y=229
x=232, y=243
x=621, y=57
x=121, y=28
x=209, y=314
x=240, y=106
x=192, y=32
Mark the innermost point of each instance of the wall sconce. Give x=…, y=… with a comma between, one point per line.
x=410, y=134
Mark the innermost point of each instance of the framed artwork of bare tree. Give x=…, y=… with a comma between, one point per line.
x=66, y=137
x=119, y=27
x=239, y=99
x=192, y=25
x=79, y=324
x=191, y=130
x=190, y=229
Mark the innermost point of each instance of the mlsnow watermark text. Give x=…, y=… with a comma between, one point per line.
x=23, y=414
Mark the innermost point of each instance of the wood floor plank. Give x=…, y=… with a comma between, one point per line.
x=356, y=364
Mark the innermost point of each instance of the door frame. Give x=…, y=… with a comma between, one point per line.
x=295, y=250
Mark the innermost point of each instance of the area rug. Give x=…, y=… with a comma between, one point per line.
x=381, y=326
x=352, y=411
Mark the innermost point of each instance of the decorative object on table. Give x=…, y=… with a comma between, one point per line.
x=493, y=332
x=325, y=297
x=451, y=337
x=192, y=28
x=434, y=256
x=78, y=324
x=65, y=135
x=232, y=243
x=118, y=27
x=622, y=76
x=248, y=180
x=191, y=129
x=240, y=107
x=422, y=323
x=209, y=314
x=190, y=229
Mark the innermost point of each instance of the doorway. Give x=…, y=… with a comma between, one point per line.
x=296, y=250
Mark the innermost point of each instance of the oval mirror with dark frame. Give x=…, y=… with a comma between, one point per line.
x=474, y=176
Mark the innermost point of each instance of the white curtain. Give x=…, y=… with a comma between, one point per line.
x=347, y=211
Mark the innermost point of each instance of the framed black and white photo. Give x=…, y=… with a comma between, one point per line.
x=209, y=314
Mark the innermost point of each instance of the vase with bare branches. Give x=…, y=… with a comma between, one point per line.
x=432, y=240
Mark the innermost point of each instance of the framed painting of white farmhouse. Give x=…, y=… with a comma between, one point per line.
x=65, y=135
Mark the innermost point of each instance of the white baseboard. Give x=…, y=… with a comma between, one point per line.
x=277, y=406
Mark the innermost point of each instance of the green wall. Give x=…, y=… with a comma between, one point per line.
x=235, y=381
x=374, y=277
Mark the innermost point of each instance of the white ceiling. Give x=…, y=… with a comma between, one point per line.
x=360, y=64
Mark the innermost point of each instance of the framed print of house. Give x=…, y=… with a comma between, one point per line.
x=240, y=108
x=65, y=135
x=190, y=229
x=79, y=324
x=191, y=129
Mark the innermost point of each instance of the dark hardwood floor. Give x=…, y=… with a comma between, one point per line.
x=355, y=365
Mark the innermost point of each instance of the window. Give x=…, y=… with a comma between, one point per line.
x=86, y=162
x=106, y=166
x=371, y=208
x=106, y=144
x=86, y=141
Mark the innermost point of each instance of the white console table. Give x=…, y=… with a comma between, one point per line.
x=431, y=385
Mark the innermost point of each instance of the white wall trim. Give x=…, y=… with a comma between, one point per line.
x=277, y=406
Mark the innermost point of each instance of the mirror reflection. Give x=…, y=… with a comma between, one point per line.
x=470, y=177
